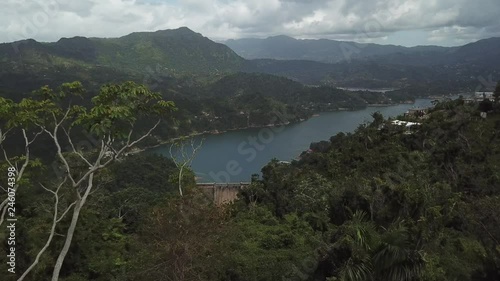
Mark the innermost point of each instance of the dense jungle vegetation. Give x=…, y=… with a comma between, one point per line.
x=376, y=204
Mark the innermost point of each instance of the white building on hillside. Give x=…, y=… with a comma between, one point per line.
x=409, y=126
x=480, y=96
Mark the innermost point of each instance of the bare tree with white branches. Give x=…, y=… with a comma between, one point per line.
x=186, y=152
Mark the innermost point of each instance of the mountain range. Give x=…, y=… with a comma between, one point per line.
x=351, y=64
x=323, y=50
x=158, y=57
x=332, y=51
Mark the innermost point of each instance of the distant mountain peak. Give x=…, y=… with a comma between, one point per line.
x=184, y=29
x=281, y=37
x=74, y=39
x=179, y=31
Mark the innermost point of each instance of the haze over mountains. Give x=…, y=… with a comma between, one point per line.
x=323, y=50
x=371, y=65
x=332, y=51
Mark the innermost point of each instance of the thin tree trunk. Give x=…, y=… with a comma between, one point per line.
x=37, y=259
x=55, y=221
x=67, y=243
x=180, y=179
x=71, y=230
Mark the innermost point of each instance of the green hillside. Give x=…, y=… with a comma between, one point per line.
x=27, y=64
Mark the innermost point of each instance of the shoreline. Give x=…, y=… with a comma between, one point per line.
x=211, y=133
x=217, y=132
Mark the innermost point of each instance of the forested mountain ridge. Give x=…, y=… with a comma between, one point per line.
x=438, y=80
x=371, y=65
x=154, y=57
x=381, y=203
x=178, y=50
x=321, y=50
x=456, y=69
x=138, y=56
x=332, y=51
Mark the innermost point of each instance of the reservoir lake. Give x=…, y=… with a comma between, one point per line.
x=234, y=156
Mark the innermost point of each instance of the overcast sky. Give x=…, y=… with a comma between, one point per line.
x=402, y=22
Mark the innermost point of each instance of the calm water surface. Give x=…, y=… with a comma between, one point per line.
x=235, y=156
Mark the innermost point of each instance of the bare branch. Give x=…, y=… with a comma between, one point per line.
x=95, y=167
x=130, y=134
x=35, y=137
x=185, y=160
x=47, y=131
x=27, y=155
x=20, y=172
x=3, y=135
x=67, y=132
x=66, y=211
x=125, y=147
x=56, y=142
x=174, y=159
x=145, y=135
x=6, y=157
x=4, y=211
x=55, y=220
x=63, y=118
x=46, y=189
x=61, y=156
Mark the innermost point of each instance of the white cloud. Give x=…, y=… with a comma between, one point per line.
x=444, y=20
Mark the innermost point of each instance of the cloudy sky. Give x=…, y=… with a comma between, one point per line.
x=402, y=22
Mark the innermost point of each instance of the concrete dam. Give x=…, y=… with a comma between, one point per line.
x=222, y=193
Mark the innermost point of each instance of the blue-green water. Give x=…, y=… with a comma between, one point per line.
x=235, y=156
